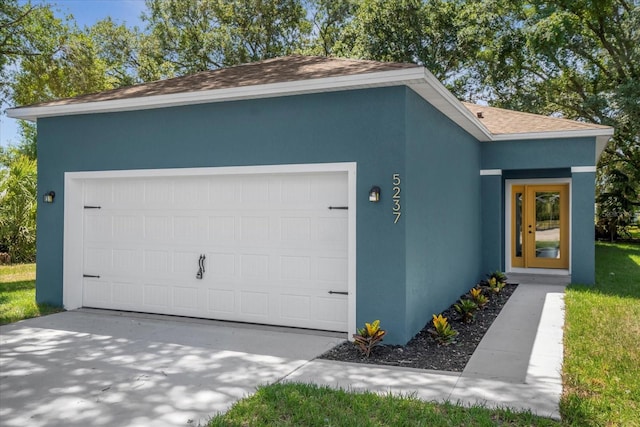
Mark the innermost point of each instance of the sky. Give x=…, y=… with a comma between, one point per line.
x=85, y=12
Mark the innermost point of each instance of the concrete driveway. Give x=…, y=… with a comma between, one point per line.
x=82, y=368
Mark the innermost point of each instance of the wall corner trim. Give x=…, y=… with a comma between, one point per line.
x=489, y=172
x=578, y=169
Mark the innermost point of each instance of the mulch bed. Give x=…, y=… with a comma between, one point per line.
x=423, y=351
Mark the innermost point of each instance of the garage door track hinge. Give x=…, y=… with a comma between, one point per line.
x=92, y=207
x=344, y=208
x=92, y=276
x=339, y=292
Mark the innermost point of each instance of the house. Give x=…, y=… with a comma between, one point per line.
x=304, y=191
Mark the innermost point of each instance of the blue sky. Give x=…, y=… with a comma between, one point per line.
x=85, y=12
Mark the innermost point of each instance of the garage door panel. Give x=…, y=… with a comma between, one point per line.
x=158, y=193
x=190, y=229
x=295, y=307
x=254, y=305
x=127, y=227
x=127, y=262
x=185, y=298
x=222, y=229
x=128, y=192
x=222, y=301
x=157, y=262
x=273, y=248
x=97, y=259
x=157, y=296
x=192, y=193
x=158, y=228
x=127, y=295
x=97, y=293
x=221, y=265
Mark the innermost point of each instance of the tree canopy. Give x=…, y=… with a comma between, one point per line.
x=577, y=59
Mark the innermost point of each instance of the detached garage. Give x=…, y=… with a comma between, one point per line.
x=302, y=191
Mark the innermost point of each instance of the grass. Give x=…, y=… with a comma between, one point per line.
x=18, y=294
x=602, y=343
x=294, y=404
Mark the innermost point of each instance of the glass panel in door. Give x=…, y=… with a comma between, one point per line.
x=546, y=217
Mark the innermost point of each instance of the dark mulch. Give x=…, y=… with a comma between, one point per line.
x=423, y=351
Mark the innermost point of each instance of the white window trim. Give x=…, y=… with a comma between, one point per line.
x=74, y=214
x=508, y=184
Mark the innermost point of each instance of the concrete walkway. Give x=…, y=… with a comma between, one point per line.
x=517, y=364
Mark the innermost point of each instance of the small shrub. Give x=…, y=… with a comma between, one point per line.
x=478, y=297
x=498, y=275
x=495, y=285
x=467, y=310
x=369, y=337
x=443, y=331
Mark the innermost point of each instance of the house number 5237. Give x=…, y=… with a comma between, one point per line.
x=397, y=210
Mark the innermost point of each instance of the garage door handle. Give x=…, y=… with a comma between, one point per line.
x=92, y=276
x=339, y=292
x=200, y=267
x=339, y=207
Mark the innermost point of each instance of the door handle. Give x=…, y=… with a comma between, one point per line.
x=200, y=272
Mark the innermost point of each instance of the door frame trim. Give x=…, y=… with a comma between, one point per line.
x=73, y=235
x=508, y=184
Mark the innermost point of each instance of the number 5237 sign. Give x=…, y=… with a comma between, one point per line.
x=397, y=207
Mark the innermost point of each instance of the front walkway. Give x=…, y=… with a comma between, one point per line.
x=517, y=364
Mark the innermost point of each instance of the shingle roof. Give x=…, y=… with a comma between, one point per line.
x=500, y=121
x=276, y=70
x=293, y=75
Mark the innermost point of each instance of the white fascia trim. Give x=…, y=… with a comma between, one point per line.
x=490, y=172
x=601, y=143
x=461, y=114
x=578, y=169
x=555, y=134
x=358, y=81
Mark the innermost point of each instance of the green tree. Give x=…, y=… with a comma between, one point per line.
x=197, y=35
x=18, y=205
x=577, y=59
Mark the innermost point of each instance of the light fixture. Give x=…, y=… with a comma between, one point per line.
x=374, y=194
x=48, y=197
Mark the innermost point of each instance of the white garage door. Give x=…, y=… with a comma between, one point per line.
x=272, y=250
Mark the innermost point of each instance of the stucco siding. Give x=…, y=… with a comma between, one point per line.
x=442, y=195
x=538, y=154
x=365, y=126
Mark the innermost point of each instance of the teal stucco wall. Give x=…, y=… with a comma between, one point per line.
x=365, y=126
x=443, y=221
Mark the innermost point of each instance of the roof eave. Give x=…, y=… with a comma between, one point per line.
x=327, y=84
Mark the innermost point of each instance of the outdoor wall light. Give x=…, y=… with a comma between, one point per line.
x=374, y=194
x=48, y=197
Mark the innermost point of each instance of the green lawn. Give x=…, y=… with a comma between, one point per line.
x=18, y=294
x=309, y=405
x=602, y=343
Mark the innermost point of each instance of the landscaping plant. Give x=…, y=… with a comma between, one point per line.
x=467, y=309
x=369, y=337
x=478, y=297
x=443, y=331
